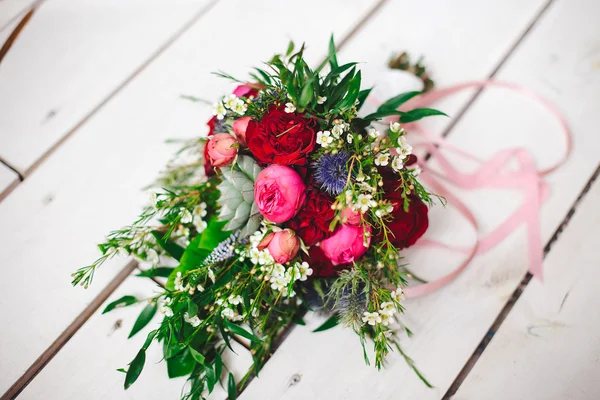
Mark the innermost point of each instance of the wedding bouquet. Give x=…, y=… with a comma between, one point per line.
x=293, y=202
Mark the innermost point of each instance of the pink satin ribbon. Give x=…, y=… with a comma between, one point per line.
x=492, y=173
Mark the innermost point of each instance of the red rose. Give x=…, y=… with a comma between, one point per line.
x=407, y=226
x=281, y=138
x=312, y=221
x=321, y=265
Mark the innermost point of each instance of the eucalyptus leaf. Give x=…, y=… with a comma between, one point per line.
x=330, y=323
x=122, y=302
x=143, y=319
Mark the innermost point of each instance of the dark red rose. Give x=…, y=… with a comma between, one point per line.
x=281, y=138
x=321, y=265
x=407, y=226
x=312, y=221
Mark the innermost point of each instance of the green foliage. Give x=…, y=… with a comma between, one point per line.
x=328, y=324
x=159, y=272
x=143, y=319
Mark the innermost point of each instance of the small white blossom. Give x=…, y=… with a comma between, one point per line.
x=395, y=127
x=229, y=101
x=361, y=177
x=382, y=159
x=417, y=171
x=200, y=288
x=239, y=107
x=279, y=282
x=387, y=307
x=178, y=283
x=193, y=321
x=200, y=225
x=264, y=257
x=349, y=138
x=397, y=295
x=371, y=318
x=404, y=151
x=200, y=210
x=165, y=309
x=235, y=300
x=220, y=111
x=186, y=216
x=321, y=99
x=278, y=270
x=211, y=275
x=289, y=108
x=324, y=138
x=374, y=133
x=397, y=164
x=385, y=318
x=231, y=314
x=305, y=270
x=337, y=130
x=152, y=256
x=364, y=202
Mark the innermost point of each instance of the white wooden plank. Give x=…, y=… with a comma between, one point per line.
x=557, y=59
x=548, y=347
x=91, y=184
x=12, y=10
x=7, y=178
x=69, y=58
x=101, y=346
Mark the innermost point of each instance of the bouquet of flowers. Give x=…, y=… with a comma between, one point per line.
x=293, y=202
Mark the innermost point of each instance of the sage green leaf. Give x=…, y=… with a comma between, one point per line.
x=231, y=387
x=135, y=368
x=418, y=113
x=330, y=323
x=172, y=248
x=181, y=365
x=159, y=272
x=238, y=330
x=122, y=302
x=197, y=356
x=143, y=319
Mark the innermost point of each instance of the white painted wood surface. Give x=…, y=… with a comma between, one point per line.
x=557, y=59
x=12, y=10
x=69, y=58
x=91, y=184
x=7, y=178
x=548, y=347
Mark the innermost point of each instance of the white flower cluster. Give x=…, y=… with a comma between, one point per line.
x=178, y=284
x=328, y=138
x=403, y=150
x=231, y=103
x=386, y=311
x=230, y=307
x=165, y=307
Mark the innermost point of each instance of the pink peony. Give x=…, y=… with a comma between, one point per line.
x=279, y=193
x=282, y=245
x=221, y=149
x=350, y=217
x=346, y=244
x=239, y=127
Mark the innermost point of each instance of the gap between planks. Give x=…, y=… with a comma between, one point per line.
x=161, y=49
x=462, y=375
x=87, y=313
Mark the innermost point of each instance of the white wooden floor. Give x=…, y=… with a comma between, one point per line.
x=89, y=91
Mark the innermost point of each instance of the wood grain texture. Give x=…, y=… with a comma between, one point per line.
x=557, y=59
x=548, y=347
x=69, y=58
x=92, y=183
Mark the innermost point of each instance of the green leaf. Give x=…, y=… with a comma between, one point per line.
x=330, y=323
x=149, y=339
x=231, y=387
x=362, y=96
x=353, y=89
x=143, y=319
x=213, y=234
x=298, y=321
x=122, y=302
x=238, y=330
x=307, y=94
x=123, y=370
x=135, y=368
x=397, y=101
x=160, y=272
x=197, y=356
x=174, y=250
x=181, y=365
x=332, y=53
x=192, y=308
x=418, y=113
x=218, y=366
x=211, y=379
x=290, y=48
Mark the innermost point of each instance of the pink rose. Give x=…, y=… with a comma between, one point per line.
x=279, y=193
x=239, y=128
x=221, y=149
x=247, y=90
x=282, y=245
x=346, y=244
x=350, y=217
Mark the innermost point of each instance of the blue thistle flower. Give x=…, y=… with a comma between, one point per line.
x=331, y=172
